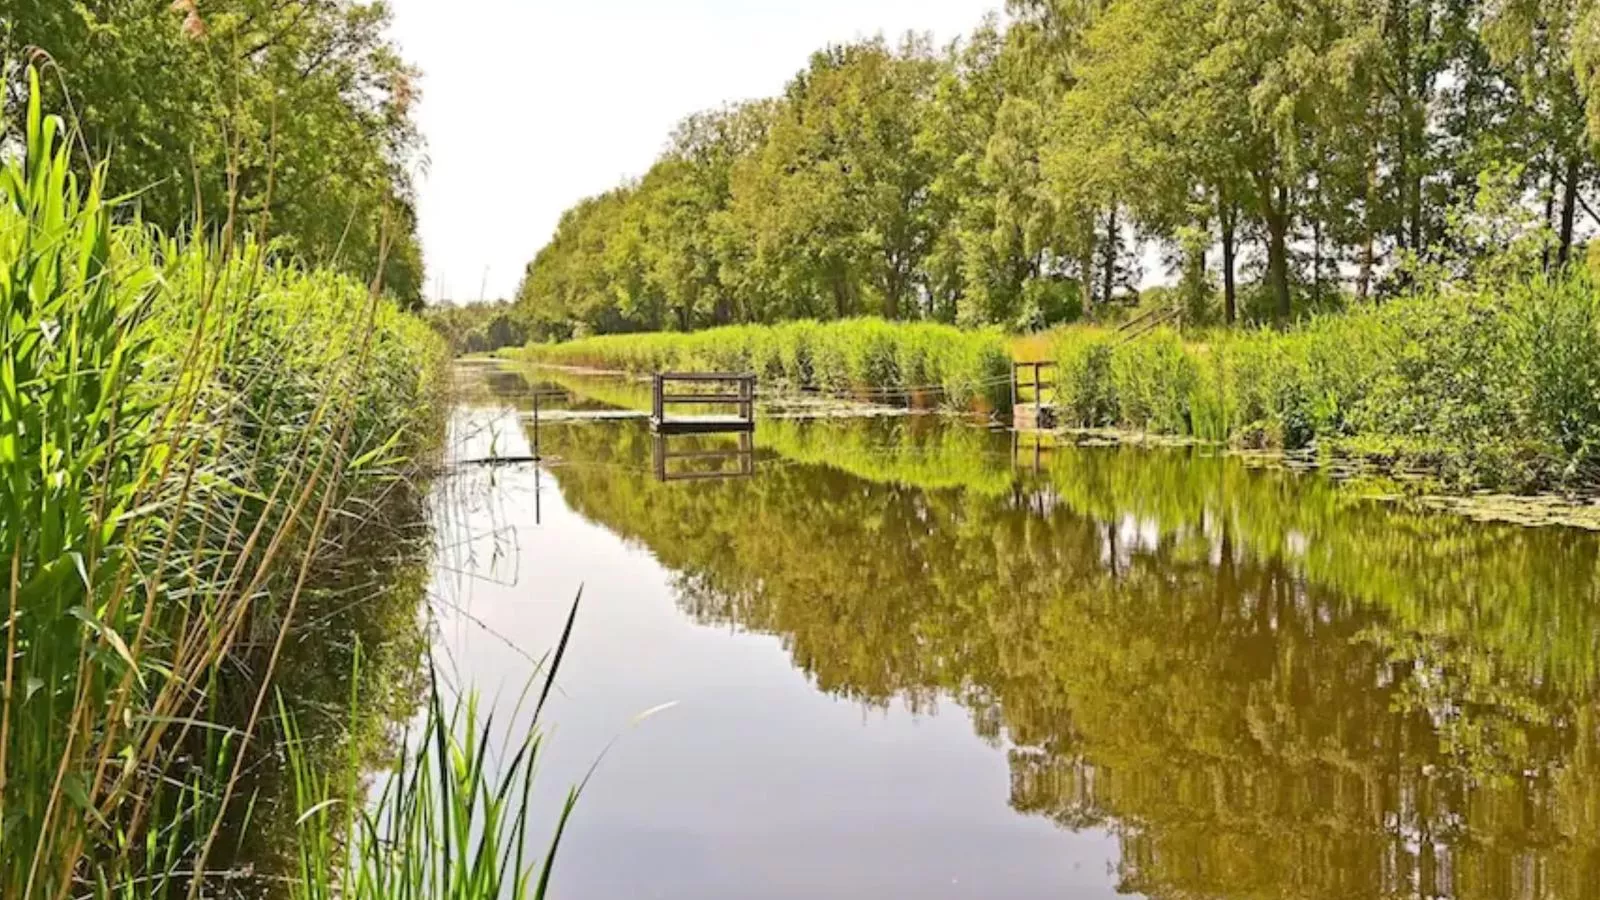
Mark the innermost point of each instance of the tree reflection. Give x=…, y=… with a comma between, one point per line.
x=1264, y=687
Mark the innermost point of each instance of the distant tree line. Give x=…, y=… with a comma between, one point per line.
x=291, y=118
x=1283, y=156
x=477, y=327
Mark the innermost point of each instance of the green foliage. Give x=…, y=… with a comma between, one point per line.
x=477, y=327
x=288, y=119
x=1287, y=160
x=866, y=358
x=1086, y=391
x=1153, y=379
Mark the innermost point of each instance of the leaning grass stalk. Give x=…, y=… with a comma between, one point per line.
x=337, y=449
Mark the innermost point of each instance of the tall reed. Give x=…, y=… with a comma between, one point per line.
x=1483, y=385
x=186, y=433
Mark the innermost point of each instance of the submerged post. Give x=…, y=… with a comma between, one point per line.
x=1038, y=396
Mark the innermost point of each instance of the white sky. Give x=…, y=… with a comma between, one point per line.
x=530, y=106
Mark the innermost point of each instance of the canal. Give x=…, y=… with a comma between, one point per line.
x=897, y=656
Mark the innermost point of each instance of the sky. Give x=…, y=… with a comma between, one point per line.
x=528, y=107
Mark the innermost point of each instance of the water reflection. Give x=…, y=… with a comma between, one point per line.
x=677, y=458
x=1263, y=686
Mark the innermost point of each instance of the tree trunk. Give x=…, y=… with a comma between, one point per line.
x=1086, y=272
x=1228, y=213
x=1411, y=138
x=1110, y=277
x=1549, y=211
x=1416, y=115
x=1316, y=260
x=1277, y=216
x=1569, y=203
x=1368, y=196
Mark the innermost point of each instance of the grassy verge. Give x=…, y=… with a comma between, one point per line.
x=1486, y=388
x=192, y=442
x=917, y=363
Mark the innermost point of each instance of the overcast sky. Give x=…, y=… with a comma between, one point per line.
x=530, y=106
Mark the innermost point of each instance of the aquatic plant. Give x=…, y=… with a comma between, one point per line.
x=448, y=818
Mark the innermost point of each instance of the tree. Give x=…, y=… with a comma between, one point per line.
x=290, y=118
x=837, y=199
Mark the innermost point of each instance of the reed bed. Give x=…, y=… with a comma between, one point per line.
x=918, y=363
x=1484, y=386
x=191, y=434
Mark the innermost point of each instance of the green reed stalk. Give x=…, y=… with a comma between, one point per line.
x=450, y=821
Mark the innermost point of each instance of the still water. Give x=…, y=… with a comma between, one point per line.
x=903, y=657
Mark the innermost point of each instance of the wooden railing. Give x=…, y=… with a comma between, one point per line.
x=1041, y=377
x=741, y=396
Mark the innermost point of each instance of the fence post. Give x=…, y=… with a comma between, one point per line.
x=1038, y=399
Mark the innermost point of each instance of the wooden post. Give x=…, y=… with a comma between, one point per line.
x=747, y=392
x=1038, y=400
x=536, y=456
x=656, y=405
x=1014, y=399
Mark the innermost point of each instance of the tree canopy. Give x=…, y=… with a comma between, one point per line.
x=1285, y=158
x=287, y=118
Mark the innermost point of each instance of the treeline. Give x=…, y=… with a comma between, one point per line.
x=477, y=327
x=290, y=119
x=1285, y=157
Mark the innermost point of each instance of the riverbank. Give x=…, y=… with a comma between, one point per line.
x=1483, y=389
